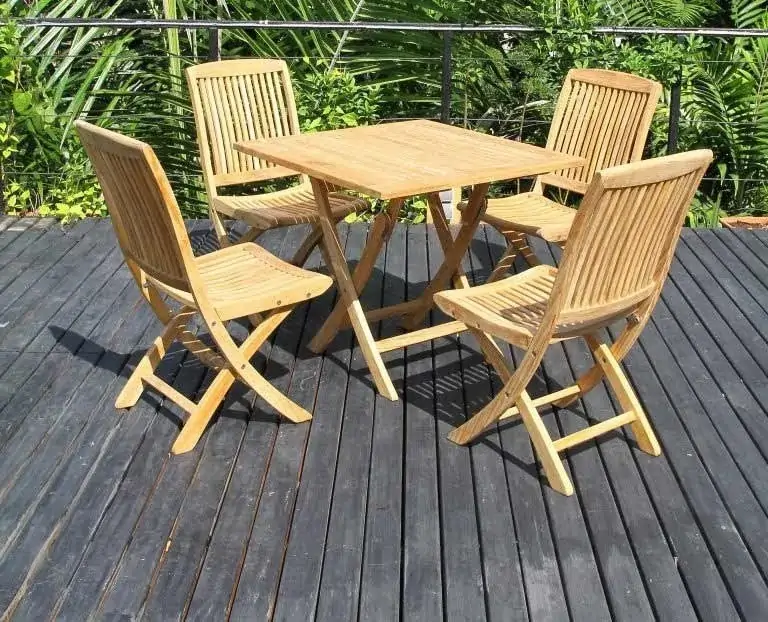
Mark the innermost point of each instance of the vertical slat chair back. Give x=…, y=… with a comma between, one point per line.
x=144, y=212
x=235, y=100
x=602, y=116
x=623, y=237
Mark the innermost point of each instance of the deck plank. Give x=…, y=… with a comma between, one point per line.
x=290, y=518
x=339, y=594
x=369, y=512
x=82, y=467
x=502, y=572
x=30, y=312
x=542, y=578
x=16, y=237
x=422, y=574
x=380, y=581
x=462, y=564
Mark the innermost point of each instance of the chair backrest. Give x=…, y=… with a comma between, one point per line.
x=623, y=238
x=144, y=212
x=232, y=100
x=602, y=116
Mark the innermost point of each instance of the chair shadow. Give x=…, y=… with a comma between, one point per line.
x=238, y=402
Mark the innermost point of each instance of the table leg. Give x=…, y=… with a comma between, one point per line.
x=452, y=261
x=490, y=348
x=444, y=235
x=382, y=228
x=348, y=293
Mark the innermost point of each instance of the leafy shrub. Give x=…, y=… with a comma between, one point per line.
x=331, y=100
x=42, y=170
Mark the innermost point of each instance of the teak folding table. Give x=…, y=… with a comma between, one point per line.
x=394, y=161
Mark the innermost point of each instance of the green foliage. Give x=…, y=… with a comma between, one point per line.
x=331, y=100
x=503, y=84
x=41, y=168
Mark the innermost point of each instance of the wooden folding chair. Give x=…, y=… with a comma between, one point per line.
x=619, y=251
x=237, y=281
x=251, y=99
x=602, y=116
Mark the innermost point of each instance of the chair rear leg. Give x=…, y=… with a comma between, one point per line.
x=641, y=427
x=517, y=244
x=504, y=264
x=307, y=246
x=250, y=235
x=520, y=241
x=238, y=366
x=219, y=228
x=133, y=389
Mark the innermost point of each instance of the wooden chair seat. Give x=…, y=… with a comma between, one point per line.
x=530, y=213
x=246, y=279
x=292, y=206
x=511, y=308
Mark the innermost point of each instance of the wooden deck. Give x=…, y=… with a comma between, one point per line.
x=369, y=512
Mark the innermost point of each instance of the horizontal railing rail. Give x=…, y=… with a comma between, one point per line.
x=203, y=24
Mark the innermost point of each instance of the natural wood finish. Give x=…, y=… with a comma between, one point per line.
x=745, y=222
x=545, y=399
x=389, y=160
x=602, y=116
x=452, y=260
x=348, y=293
x=420, y=336
x=381, y=230
x=593, y=431
x=251, y=99
x=489, y=347
x=614, y=266
x=393, y=161
x=237, y=281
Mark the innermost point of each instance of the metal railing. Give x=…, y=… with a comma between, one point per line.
x=448, y=32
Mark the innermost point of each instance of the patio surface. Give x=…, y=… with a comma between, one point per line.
x=369, y=512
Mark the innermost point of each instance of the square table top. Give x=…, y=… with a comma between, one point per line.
x=407, y=158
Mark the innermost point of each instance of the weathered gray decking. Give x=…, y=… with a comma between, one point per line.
x=369, y=512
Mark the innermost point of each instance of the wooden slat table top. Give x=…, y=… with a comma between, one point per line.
x=407, y=158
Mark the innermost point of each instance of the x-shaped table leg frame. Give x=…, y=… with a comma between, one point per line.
x=349, y=309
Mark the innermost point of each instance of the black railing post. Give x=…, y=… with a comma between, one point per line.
x=674, y=110
x=214, y=44
x=445, y=109
x=674, y=117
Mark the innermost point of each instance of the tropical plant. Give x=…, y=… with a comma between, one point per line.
x=132, y=80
